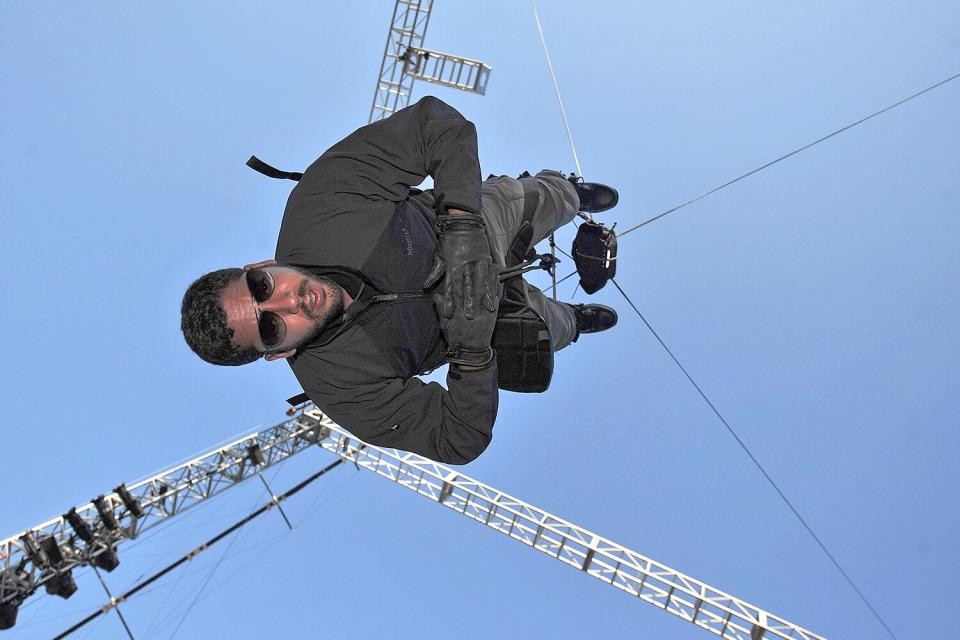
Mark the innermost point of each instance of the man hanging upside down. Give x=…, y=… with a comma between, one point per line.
x=376, y=282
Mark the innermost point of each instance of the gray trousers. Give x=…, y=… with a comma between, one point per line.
x=501, y=207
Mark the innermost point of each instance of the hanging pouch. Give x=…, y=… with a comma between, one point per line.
x=595, y=254
x=523, y=344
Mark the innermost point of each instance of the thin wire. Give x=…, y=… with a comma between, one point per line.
x=206, y=581
x=792, y=153
x=116, y=606
x=32, y=617
x=556, y=87
x=569, y=275
x=755, y=461
x=209, y=543
x=226, y=552
x=566, y=124
x=267, y=545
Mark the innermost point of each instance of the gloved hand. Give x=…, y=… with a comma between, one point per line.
x=462, y=240
x=467, y=309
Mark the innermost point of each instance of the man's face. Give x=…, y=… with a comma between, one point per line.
x=303, y=302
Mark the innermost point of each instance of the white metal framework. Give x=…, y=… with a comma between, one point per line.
x=43, y=553
x=91, y=533
x=450, y=71
x=407, y=29
x=405, y=60
x=650, y=581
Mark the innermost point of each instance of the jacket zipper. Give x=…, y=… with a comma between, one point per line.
x=390, y=297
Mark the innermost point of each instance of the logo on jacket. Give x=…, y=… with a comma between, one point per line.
x=406, y=236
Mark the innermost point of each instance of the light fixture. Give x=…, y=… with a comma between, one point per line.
x=62, y=585
x=106, y=513
x=8, y=614
x=33, y=550
x=14, y=582
x=129, y=501
x=79, y=525
x=107, y=559
x=51, y=548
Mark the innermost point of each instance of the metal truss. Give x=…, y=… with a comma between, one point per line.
x=90, y=534
x=450, y=71
x=650, y=581
x=405, y=60
x=407, y=29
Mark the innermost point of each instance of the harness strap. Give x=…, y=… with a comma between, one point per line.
x=260, y=166
x=520, y=249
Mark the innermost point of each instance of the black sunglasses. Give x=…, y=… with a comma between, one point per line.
x=272, y=328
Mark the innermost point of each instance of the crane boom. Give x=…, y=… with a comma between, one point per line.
x=44, y=553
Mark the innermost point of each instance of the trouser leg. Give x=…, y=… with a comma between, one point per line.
x=501, y=207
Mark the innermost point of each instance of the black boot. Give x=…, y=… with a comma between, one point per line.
x=593, y=318
x=594, y=197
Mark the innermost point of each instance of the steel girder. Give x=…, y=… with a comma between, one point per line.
x=685, y=597
x=407, y=29
x=448, y=70
x=32, y=558
x=26, y=566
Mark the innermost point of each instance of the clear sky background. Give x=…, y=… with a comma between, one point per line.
x=816, y=303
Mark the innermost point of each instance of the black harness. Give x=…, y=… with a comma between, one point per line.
x=521, y=338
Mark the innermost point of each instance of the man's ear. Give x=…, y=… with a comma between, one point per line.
x=257, y=265
x=278, y=355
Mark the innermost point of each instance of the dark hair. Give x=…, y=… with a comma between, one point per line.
x=204, y=322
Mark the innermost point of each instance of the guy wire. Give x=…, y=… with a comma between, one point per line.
x=556, y=86
x=756, y=462
x=189, y=556
x=792, y=153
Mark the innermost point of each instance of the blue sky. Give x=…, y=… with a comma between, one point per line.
x=816, y=303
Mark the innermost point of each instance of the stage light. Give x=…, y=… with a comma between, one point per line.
x=107, y=560
x=33, y=550
x=14, y=584
x=51, y=548
x=79, y=525
x=62, y=585
x=8, y=614
x=129, y=501
x=106, y=513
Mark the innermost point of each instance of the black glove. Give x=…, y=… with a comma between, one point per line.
x=467, y=309
x=462, y=240
x=467, y=304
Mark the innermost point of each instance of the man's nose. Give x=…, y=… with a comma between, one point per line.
x=282, y=302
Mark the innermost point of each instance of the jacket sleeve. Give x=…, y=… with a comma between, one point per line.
x=384, y=159
x=451, y=426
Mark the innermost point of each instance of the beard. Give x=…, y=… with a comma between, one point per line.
x=333, y=307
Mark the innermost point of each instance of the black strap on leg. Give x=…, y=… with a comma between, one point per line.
x=521, y=339
x=260, y=166
x=520, y=249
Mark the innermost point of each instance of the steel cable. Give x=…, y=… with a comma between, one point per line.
x=756, y=462
x=792, y=153
x=189, y=556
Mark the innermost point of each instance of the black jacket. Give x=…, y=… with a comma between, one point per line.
x=354, y=218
